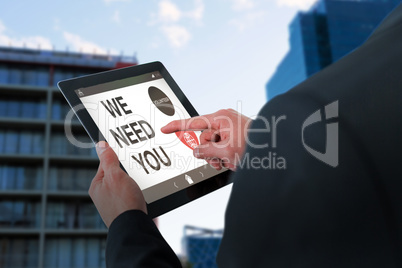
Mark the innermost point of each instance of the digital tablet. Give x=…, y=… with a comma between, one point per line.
x=127, y=108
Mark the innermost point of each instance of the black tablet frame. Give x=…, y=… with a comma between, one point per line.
x=170, y=202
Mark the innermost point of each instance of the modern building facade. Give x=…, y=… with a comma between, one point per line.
x=201, y=246
x=46, y=216
x=324, y=34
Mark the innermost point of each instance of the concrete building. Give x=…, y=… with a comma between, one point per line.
x=46, y=216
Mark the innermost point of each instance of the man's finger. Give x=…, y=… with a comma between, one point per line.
x=108, y=158
x=99, y=174
x=211, y=150
x=194, y=123
x=215, y=163
x=209, y=135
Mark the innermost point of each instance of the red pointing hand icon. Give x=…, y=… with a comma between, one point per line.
x=189, y=138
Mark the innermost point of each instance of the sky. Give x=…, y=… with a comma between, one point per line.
x=221, y=53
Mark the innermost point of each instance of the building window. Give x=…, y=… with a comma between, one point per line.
x=75, y=252
x=73, y=215
x=21, y=142
x=15, y=76
x=27, y=75
x=20, y=177
x=62, y=74
x=3, y=74
x=42, y=77
x=70, y=179
x=60, y=109
x=59, y=145
x=15, y=107
x=20, y=214
x=19, y=252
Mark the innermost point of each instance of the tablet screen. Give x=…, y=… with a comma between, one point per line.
x=129, y=114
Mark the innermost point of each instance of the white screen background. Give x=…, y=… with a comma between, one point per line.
x=138, y=101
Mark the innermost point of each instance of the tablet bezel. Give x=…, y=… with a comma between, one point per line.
x=170, y=202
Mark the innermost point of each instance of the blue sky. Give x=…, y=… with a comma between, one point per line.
x=221, y=53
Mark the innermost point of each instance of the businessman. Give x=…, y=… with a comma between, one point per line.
x=336, y=202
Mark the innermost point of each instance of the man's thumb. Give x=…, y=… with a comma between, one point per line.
x=209, y=150
x=107, y=156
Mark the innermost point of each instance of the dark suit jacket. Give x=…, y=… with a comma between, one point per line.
x=343, y=213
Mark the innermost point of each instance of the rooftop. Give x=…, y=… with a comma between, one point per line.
x=39, y=56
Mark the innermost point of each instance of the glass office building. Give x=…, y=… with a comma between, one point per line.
x=324, y=34
x=201, y=246
x=46, y=216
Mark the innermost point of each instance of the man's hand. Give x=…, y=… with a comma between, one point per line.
x=112, y=190
x=223, y=139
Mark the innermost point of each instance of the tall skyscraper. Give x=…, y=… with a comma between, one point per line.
x=201, y=246
x=324, y=34
x=46, y=216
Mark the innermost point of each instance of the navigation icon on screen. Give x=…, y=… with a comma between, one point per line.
x=188, y=179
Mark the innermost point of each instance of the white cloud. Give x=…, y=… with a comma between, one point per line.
x=29, y=41
x=2, y=27
x=82, y=45
x=56, y=25
x=248, y=20
x=239, y=24
x=198, y=12
x=240, y=5
x=178, y=36
x=300, y=4
x=168, y=11
x=170, y=20
x=116, y=17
